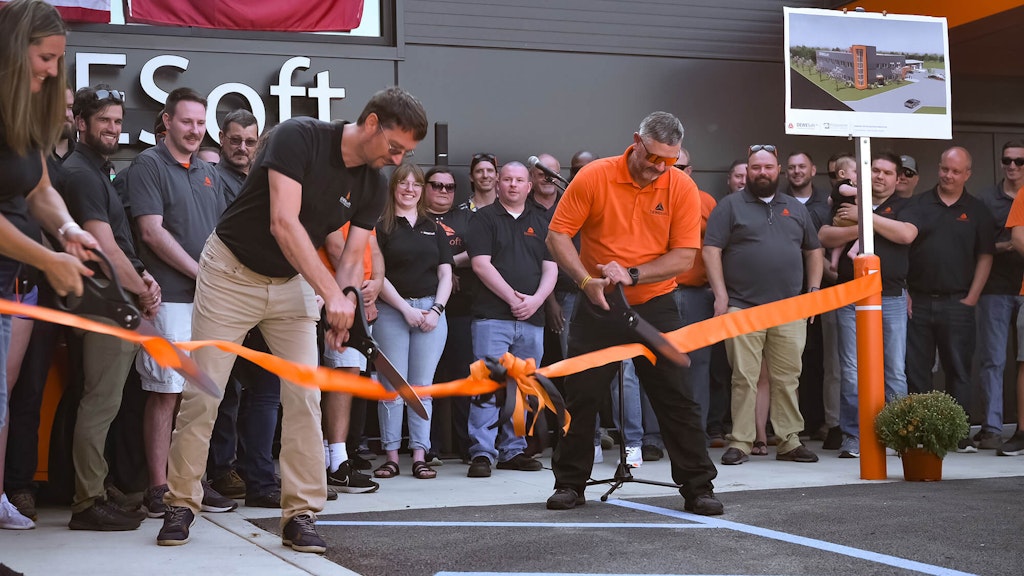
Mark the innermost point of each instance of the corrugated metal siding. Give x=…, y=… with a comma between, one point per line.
x=736, y=30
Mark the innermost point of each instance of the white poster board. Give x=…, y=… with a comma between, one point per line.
x=866, y=74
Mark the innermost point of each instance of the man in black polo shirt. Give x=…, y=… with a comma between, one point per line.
x=949, y=264
x=238, y=139
x=894, y=231
x=261, y=268
x=761, y=246
x=507, y=245
x=92, y=200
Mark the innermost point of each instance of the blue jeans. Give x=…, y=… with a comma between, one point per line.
x=942, y=322
x=492, y=338
x=258, y=407
x=696, y=305
x=894, y=352
x=996, y=313
x=414, y=353
x=5, y=343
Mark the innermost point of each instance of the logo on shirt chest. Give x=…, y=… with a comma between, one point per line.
x=207, y=182
x=659, y=210
x=785, y=212
x=344, y=200
x=962, y=217
x=530, y=232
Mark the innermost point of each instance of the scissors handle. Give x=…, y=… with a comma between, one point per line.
x=359, y=334
x=102, y=295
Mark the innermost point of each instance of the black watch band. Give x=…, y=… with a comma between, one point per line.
x=634, y=274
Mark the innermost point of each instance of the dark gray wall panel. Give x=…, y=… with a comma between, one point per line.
x=745, y=29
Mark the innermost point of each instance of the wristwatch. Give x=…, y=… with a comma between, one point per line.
x=634, y=274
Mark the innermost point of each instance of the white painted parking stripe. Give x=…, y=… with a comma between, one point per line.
x=672, y=526
x=565, y=574
x=799, y=540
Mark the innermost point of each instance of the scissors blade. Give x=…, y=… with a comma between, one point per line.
x=648, y=334
x=386, y=369
x=189, y=369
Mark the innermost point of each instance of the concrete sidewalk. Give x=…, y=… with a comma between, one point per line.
x=228, y=544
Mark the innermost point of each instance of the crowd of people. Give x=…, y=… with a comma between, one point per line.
x=256, y=244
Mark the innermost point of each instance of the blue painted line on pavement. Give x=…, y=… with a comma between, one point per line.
x=672, y=526
x=799, y=540
x=565, y=574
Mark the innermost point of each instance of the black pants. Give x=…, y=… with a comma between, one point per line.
x=941, y=322
x=665, y=384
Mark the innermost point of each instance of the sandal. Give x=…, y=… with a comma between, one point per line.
x=388, y=469
x=421, y=470
x=759, y=449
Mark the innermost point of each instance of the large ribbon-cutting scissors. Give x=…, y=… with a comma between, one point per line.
x=360, y=339
x=103, y=296
x=649, y=335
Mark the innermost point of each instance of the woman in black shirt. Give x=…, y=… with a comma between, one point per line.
x=32, y=113
x=411, y=327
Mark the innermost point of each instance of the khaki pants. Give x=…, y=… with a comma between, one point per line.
x=783, y=347
x=106, y=361
x=230, y=300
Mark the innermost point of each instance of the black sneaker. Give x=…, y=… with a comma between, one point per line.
x=704, y=504
x=480, y=467
x=347, y=480
x=734, y=456
x=798, y=454
x=269, y=500
x=651, y=453
x=521, y=462
x=153, y=501
x=103, y=516
x=833, y=440
x=966, y=446
x=214, y=502
x=1014, y=446
x=565, y=499
x=177, y=521
x=988, y=440
x=300, y=533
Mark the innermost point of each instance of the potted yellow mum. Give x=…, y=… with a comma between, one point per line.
x=922, y=428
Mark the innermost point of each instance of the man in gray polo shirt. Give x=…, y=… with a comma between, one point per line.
x=176, y=199
x=757, y=246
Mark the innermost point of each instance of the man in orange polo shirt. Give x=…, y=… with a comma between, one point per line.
x=639, y=226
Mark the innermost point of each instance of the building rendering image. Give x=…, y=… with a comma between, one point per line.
x=863, y=65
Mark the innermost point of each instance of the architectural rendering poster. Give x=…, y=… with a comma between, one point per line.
x=866, y=74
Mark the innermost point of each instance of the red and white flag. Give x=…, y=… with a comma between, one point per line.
x=81, y=10
x=272, y=15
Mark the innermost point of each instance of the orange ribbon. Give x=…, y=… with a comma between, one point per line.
x=687, y=339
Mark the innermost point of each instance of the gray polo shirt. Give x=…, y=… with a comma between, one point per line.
x=762, y=246
x=190, y=200
x=233, y=180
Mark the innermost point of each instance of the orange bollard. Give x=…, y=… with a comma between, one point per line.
x=870, y=372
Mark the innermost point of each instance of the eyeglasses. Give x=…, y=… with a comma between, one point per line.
x=410, y=185
x=439, y=186
x=769, y=148
x=392, y=148
x=237, y=141
x=908, y=173
x=1018, y=162
x=655, y=159
x=682, y=166
x=115, y=95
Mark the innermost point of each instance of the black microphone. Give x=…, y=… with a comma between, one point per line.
x=534, y=162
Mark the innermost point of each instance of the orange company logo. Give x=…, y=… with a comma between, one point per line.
x=888, y=210
x=530, y=232
x=962, y=217
x=447, y=229
x=785, y=211
x=206, y=182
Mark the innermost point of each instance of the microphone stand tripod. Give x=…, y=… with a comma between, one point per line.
x=622, y=470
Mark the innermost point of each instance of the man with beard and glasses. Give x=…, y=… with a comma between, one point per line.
x=92, y=200
x=758, y=248
x=238, y=139
x=176, y=199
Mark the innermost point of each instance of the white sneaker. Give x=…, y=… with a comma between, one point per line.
x=10, y=518
x=598, y=454
x=633, y=456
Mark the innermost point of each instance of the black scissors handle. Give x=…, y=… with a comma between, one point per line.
x=359, y=334
x=102, y=295
x=648, y=335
